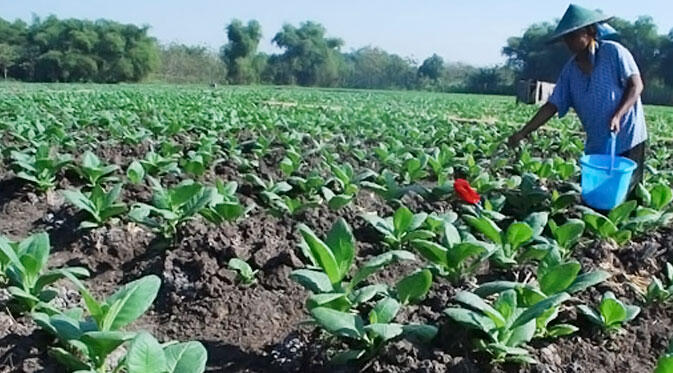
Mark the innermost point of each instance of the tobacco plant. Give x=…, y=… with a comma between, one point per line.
x=25, y=265
x=99, y=205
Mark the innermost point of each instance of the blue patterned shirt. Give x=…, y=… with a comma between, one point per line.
x=595, y=98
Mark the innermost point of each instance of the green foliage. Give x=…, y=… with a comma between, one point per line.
x=39, y=167
x=25, y=265
x=238, y=54
x=611, y=313
x=506, y=326
x=453, y=257
x=364, y=340
x=72, y=50
x=401, y=228
x=224, y=205
x=245, y=272
x=508, y=242
x=171, y=207
x=86, y=343
x=98, y=204
x=94, y=171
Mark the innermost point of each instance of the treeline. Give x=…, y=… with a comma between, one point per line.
x=312, y=58
x=72, y=50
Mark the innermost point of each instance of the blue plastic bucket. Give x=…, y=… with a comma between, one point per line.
x=603, y=188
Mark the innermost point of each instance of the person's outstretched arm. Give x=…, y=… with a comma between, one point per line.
x=539, y=119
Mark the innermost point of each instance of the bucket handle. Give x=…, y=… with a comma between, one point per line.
x=613, y=143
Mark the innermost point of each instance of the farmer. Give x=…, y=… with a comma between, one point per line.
x=602, y=83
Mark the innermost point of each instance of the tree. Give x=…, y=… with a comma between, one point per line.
x=190, y=64
x=432, y=67
x=310, y=57
x=532, y=58
x=643, y=41
x=239, y=53
x=8, y=57
x=665, y=70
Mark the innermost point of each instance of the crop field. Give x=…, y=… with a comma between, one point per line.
x=308, y=230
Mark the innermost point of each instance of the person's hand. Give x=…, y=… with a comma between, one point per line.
x=615, y=123
x=514, y=140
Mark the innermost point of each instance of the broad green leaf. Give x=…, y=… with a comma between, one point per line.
x=384, y=331
x=518, y=234
x=431, y=251
x=561, y=330
x=414, y=287
x=662, y=195
x=342, y=244
x=462, y=251
x=68, y=359
x=138, y=296
x=622, y=212
x=559, y=278
x=587, y=280
x=315, y=281
x=145, y=355
x=613, y=311
x=187, y=357
x=539, y=308
x=424, y=333
x=521, y=334
x=569, y=233
x=339, y=323
x=631, y=312
x=471, y=319
x=402, y=219
x=537, y=221
x=486, y=226
x=480, y=305
x=496, y=287
x=366, y=293
x=322, y=254
x=335, y=301
x=347, y=356
x=135, y=172
x=451, y=234
x=592, y=315
x=384, y=311
x=103, y=343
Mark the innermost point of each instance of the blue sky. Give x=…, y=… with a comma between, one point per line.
x=467, y=31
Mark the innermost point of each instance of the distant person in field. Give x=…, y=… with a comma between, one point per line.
x=603, y=84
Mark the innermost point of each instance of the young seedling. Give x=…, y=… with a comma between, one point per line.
x=567, y=235
x=224, y=204
x=331, y=260
x=94, y=171
x=554, y=276
x=245, y=273
x=611, y=314
x=98, y=204
x=507, y=242
x=401, y=228
x=505, y=326
x=453, y=257
x=39, y=168
x=87, y=342
x=657, y=291
x=171, y=207
x=364, y=341
x=613, y=227
x=25, y=265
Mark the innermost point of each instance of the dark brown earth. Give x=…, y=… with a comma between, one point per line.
x=257, y=328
